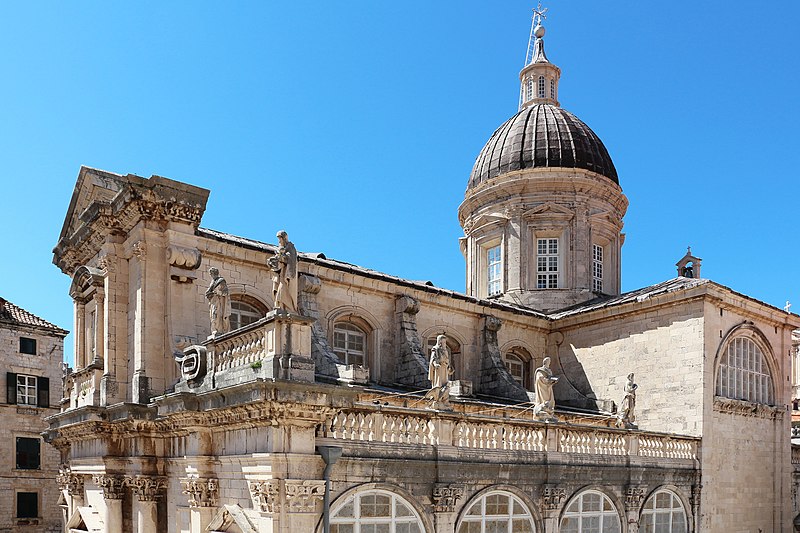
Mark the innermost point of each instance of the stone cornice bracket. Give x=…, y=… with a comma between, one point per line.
x=266, y=495
x=182, y=257
x=445, y=497
x=302, y=495
x=309, y=283
x=202, y=492
x=113, y=485
x=147, y=488
x=72, y=483
x=634, y=496
x=494, y=376
x=553, y=497
x=412, y=367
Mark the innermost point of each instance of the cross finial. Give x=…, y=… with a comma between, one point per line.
x=539, y=14
x=787, y=306
x=688, y=250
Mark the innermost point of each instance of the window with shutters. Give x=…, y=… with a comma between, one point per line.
x=23, y=389
x=26, y=390
x=28, y=453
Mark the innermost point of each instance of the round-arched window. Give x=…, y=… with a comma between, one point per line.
x=590, y=512
x=518, y=363
x=498, y=512
x=349, y=343
x=663, y=513
x=375, y=511
x=743, y=373
x=243, y=313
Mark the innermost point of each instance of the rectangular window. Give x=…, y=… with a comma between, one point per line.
x=27, y=345
x=29, y=453
x=27, y=505
x=597, y=268
x=547, y=264
x=93, y=333
x=494, y=271
x=26, y=389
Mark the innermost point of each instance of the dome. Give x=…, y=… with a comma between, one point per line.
x=542, y=136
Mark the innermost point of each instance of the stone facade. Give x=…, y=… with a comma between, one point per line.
x=31, y=349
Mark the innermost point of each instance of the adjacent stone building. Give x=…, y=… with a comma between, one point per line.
x=312, y=402
x=31, y=350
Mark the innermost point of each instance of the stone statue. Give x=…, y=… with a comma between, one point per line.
x=284, y=274
x=545, y=400
x=626, y=417
x=219, y=303
x=439, y=371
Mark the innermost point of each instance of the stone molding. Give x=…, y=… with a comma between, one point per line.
x=743, y=408
x=553, y=498
x=445, y=497
x=182, y=257
x=202, y=492
x=292, y=495
x=113, y=485
x=634, y=496
x=147, y=488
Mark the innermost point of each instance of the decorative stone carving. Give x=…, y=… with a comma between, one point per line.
x=633, y=497
x=147, y=488
x=72, y=483
x=106, y=263
x=202, y=492
x=439, y=371
x=113, y=485
x=186, y=258
x=545, y=399
x=193, y=362
x=495, y=380
x=302, y=495
x=743, y=408
x=219, y=303
x=284, y=274
x=626, y=416
x=412, y=365
x=139, y=250
x=553, y=497
x=266, y=495
x=445, y=497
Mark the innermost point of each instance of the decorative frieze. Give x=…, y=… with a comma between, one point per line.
x=445, y=497
x=742, y=408
x=147, y=488
x=633, y=497
x=202, y=492
x=553, y=498
x=113, y=485
x=302, y=495
x=266, y=495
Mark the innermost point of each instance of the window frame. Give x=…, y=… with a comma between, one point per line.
x=525, y=359
x=17, y=505
x=29, y=341
x=581, y=513
x=546, y=276
x=597, y=267
x=494, y=284
x=510, y=516
x=540, y=88
x=254, y=313
x=357, y=520
x=24, y=396
x=671, y=511
x=350, y=329
x=38, y=452
x=735, y=375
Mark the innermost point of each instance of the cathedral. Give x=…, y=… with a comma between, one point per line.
x=223, y=384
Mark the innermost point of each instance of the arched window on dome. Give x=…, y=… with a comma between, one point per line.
x=743, y=372
x=541, y=87
x=663, y=512
x=529, y=89
x=373, y=511
x=590, y=511
x=553, y=88
x=497, y=511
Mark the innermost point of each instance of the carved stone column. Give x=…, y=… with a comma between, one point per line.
x=633, y=502
x=203, y=494
x=148, y=491
x=445, y=497
x=114, y=323
x=412, y=369
x=113, y=492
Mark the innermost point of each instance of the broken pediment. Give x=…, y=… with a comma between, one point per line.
x=85, y=519
x=233, y=519
x=550, y=211
x=483, y=221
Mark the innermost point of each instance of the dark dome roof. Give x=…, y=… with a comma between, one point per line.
x=542, y=136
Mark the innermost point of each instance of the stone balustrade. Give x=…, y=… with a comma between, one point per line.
x=241, y=347
x=426, y=428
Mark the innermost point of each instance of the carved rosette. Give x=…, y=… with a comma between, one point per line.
x=266, y=495
x=302, y=495
x=202, y=492
x=445, y=497
x=633, y=497
x=553, y=497
x=113, y=485
x=147, y=488
x=72, y=483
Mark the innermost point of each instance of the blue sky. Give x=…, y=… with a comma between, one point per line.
x=354, y=125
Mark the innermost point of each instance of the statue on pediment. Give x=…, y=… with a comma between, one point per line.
x=284, y=274
x=626, y=416
x=545, y=399
x=219, y=303
x=439, y=371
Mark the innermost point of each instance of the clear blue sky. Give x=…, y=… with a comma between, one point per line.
x=354, y=125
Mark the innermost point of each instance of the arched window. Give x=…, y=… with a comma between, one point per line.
x=552, y=88
x=518, y=363
x=663, y=513
x=743, y=373
x=590, y=512
x=541, y=87
x=499, y=512
x=529, y=89
x=350, y=343
x=375, y=511
x=242, y=314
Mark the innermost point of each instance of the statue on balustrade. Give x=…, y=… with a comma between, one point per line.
x=219, y=303
x=439, y=371
x=626, y=417
x=545, y=399
x=284, y=274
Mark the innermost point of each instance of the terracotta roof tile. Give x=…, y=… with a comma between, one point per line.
x=15, y=315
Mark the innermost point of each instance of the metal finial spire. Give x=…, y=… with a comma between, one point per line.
x=539, y=14
x=537, y=32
